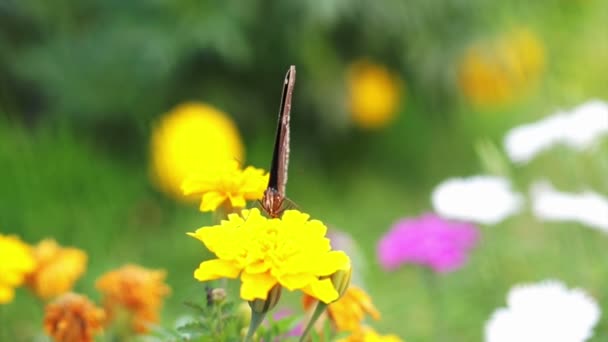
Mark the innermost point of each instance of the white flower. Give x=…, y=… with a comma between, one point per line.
x=481, y=199
x=588, y=208
x=546, y=311
x=578, y=129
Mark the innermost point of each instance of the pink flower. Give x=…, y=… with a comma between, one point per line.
x=284, y=314
x=428, y=240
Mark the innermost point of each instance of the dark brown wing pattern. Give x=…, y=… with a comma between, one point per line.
x=275, y=193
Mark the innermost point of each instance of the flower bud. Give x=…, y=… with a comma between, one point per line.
x=243, y=312
x=265, y=305
x=218, y=295
x=341, y=280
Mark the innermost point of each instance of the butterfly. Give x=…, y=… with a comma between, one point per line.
x=274, y=196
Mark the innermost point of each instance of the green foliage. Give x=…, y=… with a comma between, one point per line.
x=81, y=81
x=222, y=321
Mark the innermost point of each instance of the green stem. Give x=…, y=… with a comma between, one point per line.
x=219, y=324
x=434, y=292
x=319, y=309
x=256, y=319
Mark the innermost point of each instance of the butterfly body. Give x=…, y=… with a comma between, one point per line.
x=274, y=196
x=272, y=203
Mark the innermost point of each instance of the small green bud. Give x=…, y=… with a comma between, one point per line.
x=341, y=280
x=218, y=295
x=263, y=306
x=243, y=312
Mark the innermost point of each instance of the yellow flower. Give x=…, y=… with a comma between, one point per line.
x=348, y=313
x=17, y=261
x=367, y=334
x=497, y=72
x=189, y=139
x=226, y=183
x=374, y=94
x=57, y=270
x=73, y=318
x=137, y=290
x=291, y=251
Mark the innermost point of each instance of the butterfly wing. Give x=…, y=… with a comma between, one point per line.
x=280, y=157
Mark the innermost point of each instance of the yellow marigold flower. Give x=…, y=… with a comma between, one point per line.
x=188, y=140
x=374, y=94
x=17, y=261
x=367, y=334
x=57, y=269
x=348, y=313
x=225, y=183
x=73, y=318
x=497, y=72
x=137, y=290
x=291, y=251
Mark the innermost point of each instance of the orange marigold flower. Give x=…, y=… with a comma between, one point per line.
x=73, y=318
x=501, y=70
x=17, y=261
x=135, y=289
x=58, y=269
x=348, y=313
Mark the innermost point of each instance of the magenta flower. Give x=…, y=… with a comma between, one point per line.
x=428, y=240
x=286, y=313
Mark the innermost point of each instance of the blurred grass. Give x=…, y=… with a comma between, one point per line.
x=55, y=183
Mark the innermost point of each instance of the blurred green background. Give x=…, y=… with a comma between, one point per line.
x=83, y=82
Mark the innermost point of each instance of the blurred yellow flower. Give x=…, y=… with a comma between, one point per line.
x=226, y=184
x=17, y=262
x=291, y=251
x=496, y=73
x=57, y=269
x=348, y=313
x=137, y=290
x=73, y=318
x=374, y=94
x=367, y=334
x=188, y=140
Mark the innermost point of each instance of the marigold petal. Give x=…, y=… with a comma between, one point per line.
x=256, y=285
x=258, y=267
x=359, y=296
x=137, y=290
x=17, y=262
x=14, y=277
x=215, y=269
x=196, y=186
x=323, y=290
x=331, y=262
x=58, y=269
x=237, y=201
x=294, y=217
x=6, y=294
x=296, y=281
x=212, y=200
